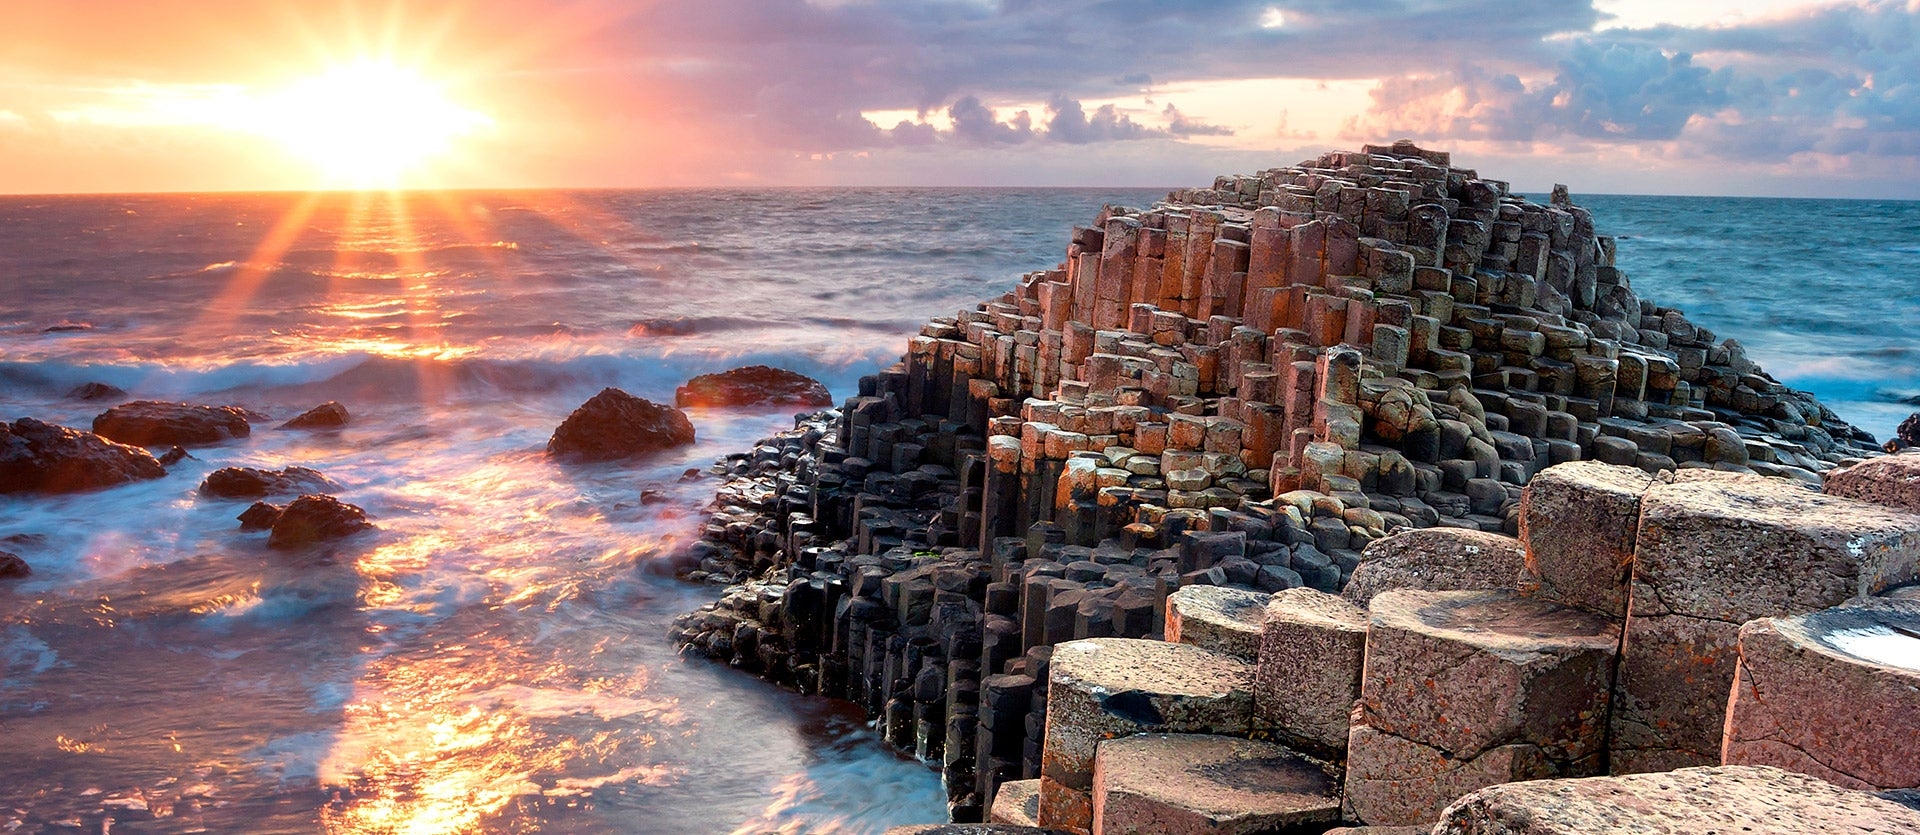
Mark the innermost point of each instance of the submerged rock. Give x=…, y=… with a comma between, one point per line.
x=328, y=415
x=614, y=424
x=251, y=483
x=37, y=457
x=174, y=456
x=154, y=423
x=12, y=566
x=753, y=385
x=96, y=391
x=316, y=518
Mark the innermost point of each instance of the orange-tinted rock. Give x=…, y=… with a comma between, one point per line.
x=1202, y=784
x=1308, y=677
x=328, y=415
x=1436, y=559
x=614, y=424
x=156, y=423
x=312, y=519
x=753, y=385
x=253, y=483
x=37, y=457
x=1746, y=800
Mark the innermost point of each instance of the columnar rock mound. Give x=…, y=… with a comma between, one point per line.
x=156, y=423
x=37, y=457
x=753, y=385
x=614, y=424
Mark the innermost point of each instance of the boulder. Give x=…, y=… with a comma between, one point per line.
x=1906, y=435
x=614, y=424
x=95, y=392
x=1217, y=618
x=1748, y=800
x=314, y=518
x=1833, y=693
x=1308, y=677
x=260, y=516
x=12, y=566
x=1715, y=550
x=753, y=385
x=1578, y=521
x=251, y=483
x=1891, y=480
x=1201, y=784
x=154, y=423
x=38, y=457
x=1436, y=559
x=328, y=415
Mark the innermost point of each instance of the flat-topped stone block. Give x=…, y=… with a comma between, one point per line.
x=1190, y=784
x=1455, y=677
x=1101, y=688
x=1892, y=480
x=1833, y=693
x=1578, y=522
x=1217, y=618
x=1436, y=559
x=1016, y=802
x=1716, y=550
x=970, y=829
x=1729, y=800
x=1308, y=677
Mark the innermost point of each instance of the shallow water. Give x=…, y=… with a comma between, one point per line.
x=494, y=658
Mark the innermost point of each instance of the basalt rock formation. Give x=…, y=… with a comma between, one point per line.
x=37, y=457
x=156, y=423
x=1254, y=386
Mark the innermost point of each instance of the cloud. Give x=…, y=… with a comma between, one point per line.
x=1179, y=124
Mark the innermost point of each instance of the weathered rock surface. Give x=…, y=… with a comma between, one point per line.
x=1217, y=618
x=1017, y=802
x=1906, y=435
x=254, y=483
x=96, y=391
x=1578, y=522
x=328, y=415
x=37, y=457
x=312, y=519
x=753, y=385
x=1198, y=784
x=614, y=424
x=1392, y=781
x=1436, y=559
x=1833, y=693
x=1100, y=688
x=1891, y=480
x=1746, y=800
x=1308, y=677
x=12, y=566
x=157, y=423
x=970, y=829
x=1715, y=550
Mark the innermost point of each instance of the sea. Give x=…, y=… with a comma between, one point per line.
x=494, y=658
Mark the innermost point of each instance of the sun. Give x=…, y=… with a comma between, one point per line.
x=367, y=123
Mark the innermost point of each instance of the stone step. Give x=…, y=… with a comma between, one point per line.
x=1578, y=522
x=1016, y=802
x=1749, y=800
x=1308, y=675
x=1199, y=784
x=970, y=829
x=1465, y=689
x=1217, y=618
x=1891, y=480
x=1833, y=693
x=1101, y=688
x=1436, y=559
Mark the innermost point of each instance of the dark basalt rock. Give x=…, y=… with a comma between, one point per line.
x=316, y=518
x=91, y=392
x=154, y=423
x=753, y=385
x=614, y=424
x=251, y=483
x=328, y=415
x=37, y=457
x=1907, y=435
x=174, y=456
x=260, y=516
x=12, y=566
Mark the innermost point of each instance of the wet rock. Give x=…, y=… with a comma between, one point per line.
x=1759, y=800
x=251, y=483
x=313, y=518
x=753, y=385
x=37, y=457
x=614, y=424
x=1892, y=480
x=1436, y=559
x=173, y=456
x=328, y=415
x=1194, y=784
x=260, y=516
x=12, y=566
x=155, y=423
x=95, y=391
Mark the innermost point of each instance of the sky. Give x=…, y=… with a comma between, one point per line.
x=1762, y=97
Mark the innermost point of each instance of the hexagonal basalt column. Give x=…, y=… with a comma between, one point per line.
x=1578, y=522
x=1834, y=694
x=1436, y=559
x=1217, y=618
x=1311, y=647
x=1891, y=480
x=1017, y=802
x=1198, y=784
x=1464, y=689
x=1100, y=688
x=1714, y=551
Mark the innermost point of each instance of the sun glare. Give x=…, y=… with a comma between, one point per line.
x=368, y=123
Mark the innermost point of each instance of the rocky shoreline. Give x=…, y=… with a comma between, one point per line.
x=1350, y=377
